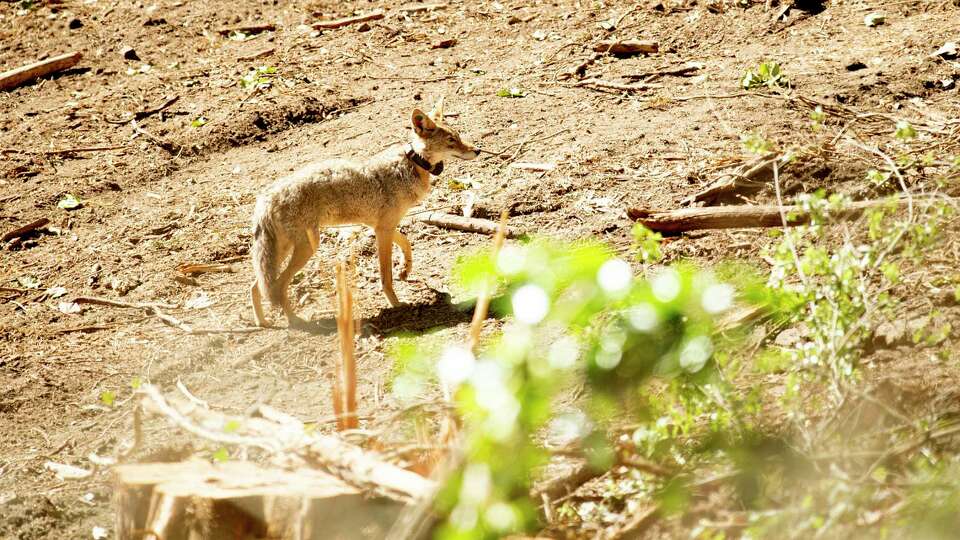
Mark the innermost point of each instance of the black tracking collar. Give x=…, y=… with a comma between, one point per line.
x=424, y=164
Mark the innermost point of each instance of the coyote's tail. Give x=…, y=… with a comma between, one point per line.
x=264, y=252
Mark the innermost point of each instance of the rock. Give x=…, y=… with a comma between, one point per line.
x=444, y=43
x=364, y=27
x=789, y=338
x=948, y=51
x=129, y=54
x=74, y=24
x=890, y=334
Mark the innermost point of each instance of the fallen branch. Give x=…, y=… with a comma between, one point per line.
x=154, y=310
x=682, y=71
x=629, y=46
x=460, y=223
x=98, y=301
x=21, y=75
x=338, y=23
x=24, y=230
x=741, y=217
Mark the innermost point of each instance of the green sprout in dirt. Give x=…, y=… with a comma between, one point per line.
x=578, y=314
x=767, y=74
x=260, y=78
x=512, y=92
x=199, y=121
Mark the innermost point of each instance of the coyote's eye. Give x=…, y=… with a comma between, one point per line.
x=450, y=140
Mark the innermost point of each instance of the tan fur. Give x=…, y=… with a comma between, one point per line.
x=378, y=192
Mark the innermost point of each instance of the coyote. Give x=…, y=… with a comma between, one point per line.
x=288, y=216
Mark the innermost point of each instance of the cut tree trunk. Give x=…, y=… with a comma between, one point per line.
x=739, y=217
x=198, y=500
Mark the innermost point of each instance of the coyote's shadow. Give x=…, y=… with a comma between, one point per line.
x=440, y=311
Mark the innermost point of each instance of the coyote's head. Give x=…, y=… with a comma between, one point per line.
x=435, y=140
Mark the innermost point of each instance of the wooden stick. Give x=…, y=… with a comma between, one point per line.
x=247, y=29
x=628, y=46
x=18, y=76
x=337, y=23
x=460, y=223
x=417, y=8
x=682, y=71
x=24, y=230
x=483, y=300
x=741, y=217
x=64, y=151
x=345, y=389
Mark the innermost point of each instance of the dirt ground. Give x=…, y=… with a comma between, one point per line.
x=185, y=192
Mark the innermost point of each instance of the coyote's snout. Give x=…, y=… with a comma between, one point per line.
x=378, y=192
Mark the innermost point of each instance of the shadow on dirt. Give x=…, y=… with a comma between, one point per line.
x=439, y=311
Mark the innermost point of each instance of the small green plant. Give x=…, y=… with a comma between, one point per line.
x=108, y=397
x=199, y=121
x=767, y=74
x=755, y=143
x=904, y=131
x=512, y=92
x=259, y=78
x=818, y=117
x=69, y=202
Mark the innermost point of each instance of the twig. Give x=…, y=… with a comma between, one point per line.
x=338, y=23
x=24, y=230
x=21, y=75
x=178, y=418
x=256, y=55
x=98, y=301
x=190, y=397
x=247, y=29
x=171, y=148
x=345, y=386
x=417, y=8
x=64, y=151
x=140, y=115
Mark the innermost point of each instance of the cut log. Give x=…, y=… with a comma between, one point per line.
x=338, y=23
x=241, y=500
x=628, y=46
x=22, y=75
x=740, y=217
x=460, y=223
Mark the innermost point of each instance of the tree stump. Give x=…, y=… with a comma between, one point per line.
x=237, y=500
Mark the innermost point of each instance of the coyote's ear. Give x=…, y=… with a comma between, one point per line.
x=437, y=112
x=422, y=123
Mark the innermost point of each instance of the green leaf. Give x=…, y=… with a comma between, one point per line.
x=221, y=455
x=199, y=121
x=231, y=426
x=136, y=383
x=512, y=92
x=69, y=202
x=904, y=131
x=108, y=397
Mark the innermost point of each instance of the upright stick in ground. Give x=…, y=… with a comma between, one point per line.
x=483, y=300
x=345, y=387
